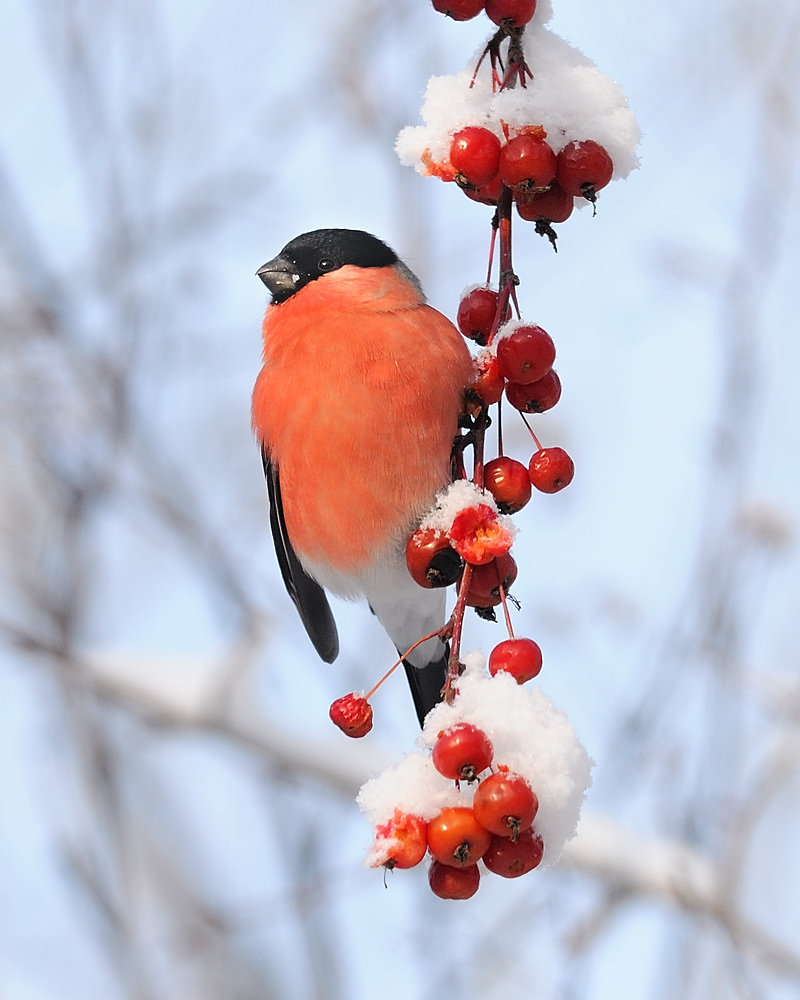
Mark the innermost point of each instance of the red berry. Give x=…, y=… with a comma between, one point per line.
x=486, y=194
x=474, y=153
x=507, y=480
x=352, y=713
x=456, y=838
x=462, y=752
x=431, y=559
x=459, y=10
x=476, y=313
x=511, y=859
x=525, y=354
x=538, y=396
x=478, y=535
x=447, y=882
x=400, y=843
x=521, y=658
x=551, y=469
x=519, y=12
x=485, y=582
x=443, y=169
x=487, y=382
x=527, y=160
x=505, y=804
x=583, y=168
x=552, y=205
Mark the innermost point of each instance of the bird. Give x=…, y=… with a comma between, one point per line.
x=356, y=408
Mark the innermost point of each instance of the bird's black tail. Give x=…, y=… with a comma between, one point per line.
x=426, y=683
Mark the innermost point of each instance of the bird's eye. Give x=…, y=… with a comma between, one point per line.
x=326, y=264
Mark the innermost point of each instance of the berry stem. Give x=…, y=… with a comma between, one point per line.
x=391, y=670
x=506, y=613
x=500, y=427
x=536, y=440
x=457, y=624
x=491, y=252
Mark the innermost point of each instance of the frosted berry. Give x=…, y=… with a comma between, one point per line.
x=478, y=534
x=448, y=882
x=508, y=482
x=551, y=469
x=400, y=843
x=459, y=10
x=352, y=713
x=517, y=12
x=583, y=168
x=522, y=658
x=487, y=381
x=456, y=838
x=525, y=354
x=431, y=559
x=514, y=858
x=474, y=152
x=538, y=396
x=476, y=313
x=462, y=752
x=527, y=161
x=505, y=804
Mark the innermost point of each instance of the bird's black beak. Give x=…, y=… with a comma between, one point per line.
x=281, y=277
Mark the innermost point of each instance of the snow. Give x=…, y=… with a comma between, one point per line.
x=568, y=96
x=530, y=736
x=460, y=495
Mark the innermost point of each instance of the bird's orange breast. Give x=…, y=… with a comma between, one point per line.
x=358, y=403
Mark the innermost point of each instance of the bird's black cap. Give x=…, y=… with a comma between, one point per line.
x=313, y=254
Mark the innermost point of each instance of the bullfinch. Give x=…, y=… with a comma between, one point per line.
x=356, y=409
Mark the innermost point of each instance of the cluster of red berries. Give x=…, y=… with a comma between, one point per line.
x=494, y=824
x=514, y=12
x=544, y=184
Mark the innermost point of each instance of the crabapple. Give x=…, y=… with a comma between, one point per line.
x=400, y=843
x=537, y=396
x=486, y=580
x=527, y=161
x=476, y=313
x=431, y=559
x=505, y=804
x=456, y=838
x=508, y=482
x=487, y=381
x=551, y=469
x=525, y=354
x=474, y=152
x=352, y=713
x=486, y=194
x=462, y=752
x=514, y=858
x=478, y=535
x=522, y=658
x=448, y=882
x=459, y=10
x=583, y=168
x=518, y=12
x=552, y=205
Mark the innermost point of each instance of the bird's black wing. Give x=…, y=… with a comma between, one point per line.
x=307, y=594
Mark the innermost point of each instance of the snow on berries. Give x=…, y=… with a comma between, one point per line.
x=530, y=113
x=497, y=780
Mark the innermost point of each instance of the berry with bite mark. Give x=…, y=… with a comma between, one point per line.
x=352, y=713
